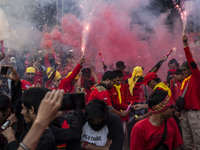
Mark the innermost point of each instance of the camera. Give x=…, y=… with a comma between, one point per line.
x=72, y=101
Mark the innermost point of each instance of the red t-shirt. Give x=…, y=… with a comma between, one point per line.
x=145, y=136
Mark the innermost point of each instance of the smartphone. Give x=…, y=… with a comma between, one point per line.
x=4, y=70
x=72, y=101
x=5, y=125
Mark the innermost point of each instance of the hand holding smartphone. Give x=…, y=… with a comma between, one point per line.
x=7, y=69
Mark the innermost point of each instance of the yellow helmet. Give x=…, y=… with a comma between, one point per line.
x=30, y=70
x=57, y=75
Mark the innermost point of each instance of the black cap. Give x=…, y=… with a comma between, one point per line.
x=86, y=72
x=184, y=66
x=120, y=64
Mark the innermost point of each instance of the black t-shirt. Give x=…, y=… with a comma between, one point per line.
x=47, y=141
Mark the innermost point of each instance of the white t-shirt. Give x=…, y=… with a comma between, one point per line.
x=99, y=138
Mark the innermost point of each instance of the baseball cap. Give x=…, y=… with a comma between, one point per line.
x=150, y=76
x=120, y=64
x=184, y=66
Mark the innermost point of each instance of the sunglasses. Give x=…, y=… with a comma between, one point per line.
x=30, y=73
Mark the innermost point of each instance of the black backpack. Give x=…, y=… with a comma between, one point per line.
x=180, y=102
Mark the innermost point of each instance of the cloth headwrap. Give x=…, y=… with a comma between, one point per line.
x=184, y=81
x=30, y=70
x=137, y=73
x=119, y=92
x=164, y=87
x=162, y=106
x=71, y=73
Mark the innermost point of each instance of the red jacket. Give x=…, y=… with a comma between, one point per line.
x=66, y=83
x=192, y=96
x=138, y=92
x=99, y=91
x=115, y=99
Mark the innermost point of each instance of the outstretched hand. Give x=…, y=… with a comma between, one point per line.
x=185, y=40
x=82, y=60
x=164, y=58
x=48, y=109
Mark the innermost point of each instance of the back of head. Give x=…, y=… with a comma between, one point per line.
x=86, y=72
x=5, y=103
x=96, y=109
x=120, y=65
x=33, y=97
x=108, y=75
x=156, y=97
x=117, y=73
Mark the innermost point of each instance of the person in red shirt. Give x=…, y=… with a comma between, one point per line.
x=154, y=83
x=121, y=66
x=136, y=95
x=100, y=91
x=67, y=84
x=118, y=93
x=173, y=65
x=174, y=83
x=53, y=82
x=190, y=122
x=147, y=134
x=87, y=81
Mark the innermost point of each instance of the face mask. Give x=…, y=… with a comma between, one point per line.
x=97, y=127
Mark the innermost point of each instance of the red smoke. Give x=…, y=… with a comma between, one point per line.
x=111, y=33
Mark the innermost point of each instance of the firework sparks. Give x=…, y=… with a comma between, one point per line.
x=183, y=13
x=84, y=38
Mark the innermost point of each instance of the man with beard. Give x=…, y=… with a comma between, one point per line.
x=158, y=129
x=100, y=91
x=102, y=130
x=31, y=100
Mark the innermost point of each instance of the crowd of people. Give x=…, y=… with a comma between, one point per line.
x=121, y=110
